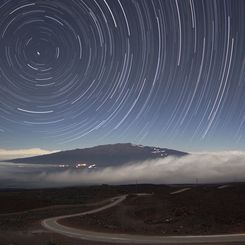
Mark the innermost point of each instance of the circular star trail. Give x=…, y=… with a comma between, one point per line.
x=84, y=72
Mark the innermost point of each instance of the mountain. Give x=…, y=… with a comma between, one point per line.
x=103, y=155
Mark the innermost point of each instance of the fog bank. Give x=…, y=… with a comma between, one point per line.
x=19, y=153
x=226, y=166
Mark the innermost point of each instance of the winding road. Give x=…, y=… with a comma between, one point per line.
x=53, y=225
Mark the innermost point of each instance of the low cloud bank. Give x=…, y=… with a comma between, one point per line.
x=201, y=168
x=226, y=166
x=18, y=153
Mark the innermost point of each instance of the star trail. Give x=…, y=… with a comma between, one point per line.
x=77, y=73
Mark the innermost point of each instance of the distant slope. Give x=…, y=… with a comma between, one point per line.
x=103, y=155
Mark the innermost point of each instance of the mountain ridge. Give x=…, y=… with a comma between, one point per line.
x=103, y=155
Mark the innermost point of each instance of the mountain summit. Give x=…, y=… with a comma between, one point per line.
x=103, y=155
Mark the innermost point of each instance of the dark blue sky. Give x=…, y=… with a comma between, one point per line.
x=79, y=73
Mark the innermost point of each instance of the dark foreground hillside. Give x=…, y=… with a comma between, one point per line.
x=209, y=209
x=199, y=210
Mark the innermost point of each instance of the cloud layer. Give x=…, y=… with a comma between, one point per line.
x=226, y=166
x=10, y=154
x=201, y=168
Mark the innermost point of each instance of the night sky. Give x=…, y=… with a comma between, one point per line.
x=77, y=73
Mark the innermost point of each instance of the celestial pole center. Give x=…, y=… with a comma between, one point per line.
x=82, y=72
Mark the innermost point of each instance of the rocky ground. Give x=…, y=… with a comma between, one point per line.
x=21, y=212
x=200, y=210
